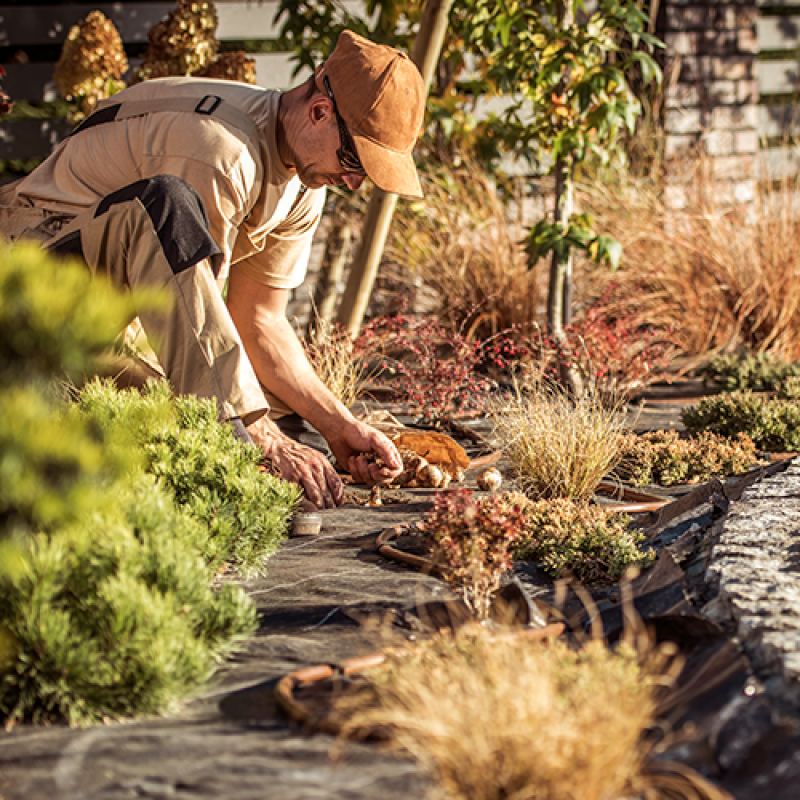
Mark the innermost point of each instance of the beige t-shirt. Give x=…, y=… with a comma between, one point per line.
x=250, y=197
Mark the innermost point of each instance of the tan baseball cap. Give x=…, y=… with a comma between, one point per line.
x=380, y=95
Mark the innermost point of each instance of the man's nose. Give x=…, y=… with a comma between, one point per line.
x=352, y=181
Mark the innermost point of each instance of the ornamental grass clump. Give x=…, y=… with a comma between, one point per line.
x=463, y=245
x=587, y=542
x=342, y=365
x=772, y=423
x=494, y=718
x=716, y=272
x=470, y=540
x=210, y=474
x=665, y=458
x=559, y=445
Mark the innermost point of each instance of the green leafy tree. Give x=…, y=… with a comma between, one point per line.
x=568, y=75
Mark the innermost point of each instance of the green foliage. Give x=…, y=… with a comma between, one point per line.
x=54, y=469
x=772, y=423
x=572, y=537
x=115, y=617
x=55, y=320
x=211, y=475
x=751, y=372
x=569, y=77
x=664, y=458
x=106, y=605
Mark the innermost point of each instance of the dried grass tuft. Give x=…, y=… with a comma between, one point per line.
x=497, y=718
x=463, y=245
x=721, y=275
x=559, y=445
x=329, y=348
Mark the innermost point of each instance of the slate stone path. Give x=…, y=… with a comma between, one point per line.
x=232, y=741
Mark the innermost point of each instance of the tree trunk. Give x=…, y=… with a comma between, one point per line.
x=427, y=47
x=559, y=297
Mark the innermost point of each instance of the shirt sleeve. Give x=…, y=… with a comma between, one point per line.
x=280, y=257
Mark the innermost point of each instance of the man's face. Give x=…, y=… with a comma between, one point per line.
x=317, y=163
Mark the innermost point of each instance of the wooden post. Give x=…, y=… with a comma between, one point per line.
x=427, y=47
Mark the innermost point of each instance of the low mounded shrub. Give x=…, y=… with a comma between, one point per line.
x=210, y=474
x=772, y=423
x=114, y=616
x=753, y=372
x=568, y=537
x=664, y=458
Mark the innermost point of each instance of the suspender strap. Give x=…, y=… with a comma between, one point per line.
x=210, y=106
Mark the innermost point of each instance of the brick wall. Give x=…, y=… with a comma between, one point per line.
x=712, y=93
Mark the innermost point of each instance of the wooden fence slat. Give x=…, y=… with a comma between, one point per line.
x=32, y=82
x=35, y=25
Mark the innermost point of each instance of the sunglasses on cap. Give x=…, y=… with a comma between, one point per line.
x=348, y=158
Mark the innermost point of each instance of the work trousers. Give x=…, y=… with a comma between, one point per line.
x=154, y=234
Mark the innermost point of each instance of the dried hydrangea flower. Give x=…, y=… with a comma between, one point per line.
x=235, y=66
x=92, y=62
x=183, y=43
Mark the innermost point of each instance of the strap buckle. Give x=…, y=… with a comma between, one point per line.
x=203, y=108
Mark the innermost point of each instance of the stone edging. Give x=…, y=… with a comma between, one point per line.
x=756, y=565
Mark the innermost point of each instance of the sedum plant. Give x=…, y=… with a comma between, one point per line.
x=586, y=541
x=664, y=458
x=471, y=539
x=772, y=423
x=209, y=474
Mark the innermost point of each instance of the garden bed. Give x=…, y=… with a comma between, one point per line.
x=326, y=600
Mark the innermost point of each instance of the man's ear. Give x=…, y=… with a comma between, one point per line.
x=319, y=109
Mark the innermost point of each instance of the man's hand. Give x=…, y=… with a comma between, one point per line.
x=354, y=445
x=299, y=464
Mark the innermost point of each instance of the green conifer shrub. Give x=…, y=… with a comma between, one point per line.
x=208, y=472
x=109, y=606
x=115, y=616
x=772, y=423
x=55, y=321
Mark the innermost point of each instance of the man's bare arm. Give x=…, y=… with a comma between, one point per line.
x=279, y=360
